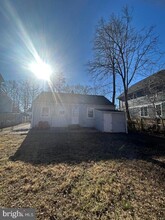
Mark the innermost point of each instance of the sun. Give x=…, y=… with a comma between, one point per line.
x=41, y=69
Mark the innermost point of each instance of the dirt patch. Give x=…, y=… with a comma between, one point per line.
x=79, y=175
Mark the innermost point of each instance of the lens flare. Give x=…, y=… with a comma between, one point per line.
x=41, y=69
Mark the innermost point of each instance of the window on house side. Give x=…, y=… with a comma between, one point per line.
x=158, y=110
x=144, y=111
x=45, y=112
x=61, y=112
x=90, y=112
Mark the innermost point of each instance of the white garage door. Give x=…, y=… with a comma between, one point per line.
x=107, y=122
x=115, y=122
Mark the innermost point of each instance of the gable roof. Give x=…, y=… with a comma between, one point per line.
x=71, y=98
x=142, y=84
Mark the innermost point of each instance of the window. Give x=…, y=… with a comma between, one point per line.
x=158, y=110
x=45, y=112
x=144, y=111
x=90, y=113
x=61, y=112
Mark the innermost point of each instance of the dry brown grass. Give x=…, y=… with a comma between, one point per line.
x=96, y=183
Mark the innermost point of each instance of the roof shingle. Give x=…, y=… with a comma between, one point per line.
x=70, y=98
x=142, y=84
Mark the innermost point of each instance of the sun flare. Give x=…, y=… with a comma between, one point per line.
x=41, y=69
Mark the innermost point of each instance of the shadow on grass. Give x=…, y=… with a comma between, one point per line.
x=45, y=147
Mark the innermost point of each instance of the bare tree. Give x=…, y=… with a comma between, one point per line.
x=22, y=93
x=128, y=50
x=25, y=95
x=35, y=89
x=29, y=89
x=102, y=67
x=79, y=89
x=57, y=82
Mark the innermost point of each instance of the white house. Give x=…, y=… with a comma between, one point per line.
x=63, y=109
x=146, y=98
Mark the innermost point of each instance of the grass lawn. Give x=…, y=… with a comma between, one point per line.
x=80, y=175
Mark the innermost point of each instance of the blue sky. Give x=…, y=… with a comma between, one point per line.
x=61, y=32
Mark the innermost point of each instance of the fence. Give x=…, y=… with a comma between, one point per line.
x=10, y=119
x=146, y=124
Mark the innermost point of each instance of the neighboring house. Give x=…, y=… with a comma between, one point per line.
x=6, y=103
x=63, y=109
x=146, y=98
x=1, y=79
x=7, y=116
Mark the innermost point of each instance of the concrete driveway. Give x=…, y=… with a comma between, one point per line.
x=22, y=128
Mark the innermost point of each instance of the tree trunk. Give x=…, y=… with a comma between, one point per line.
x=126, y=103
x=114, y=87
x=127, y=109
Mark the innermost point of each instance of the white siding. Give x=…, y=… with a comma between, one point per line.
x=55, y=119
x=99, y=123
x=85, y=121
x=111, y=121
x=107, y=126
